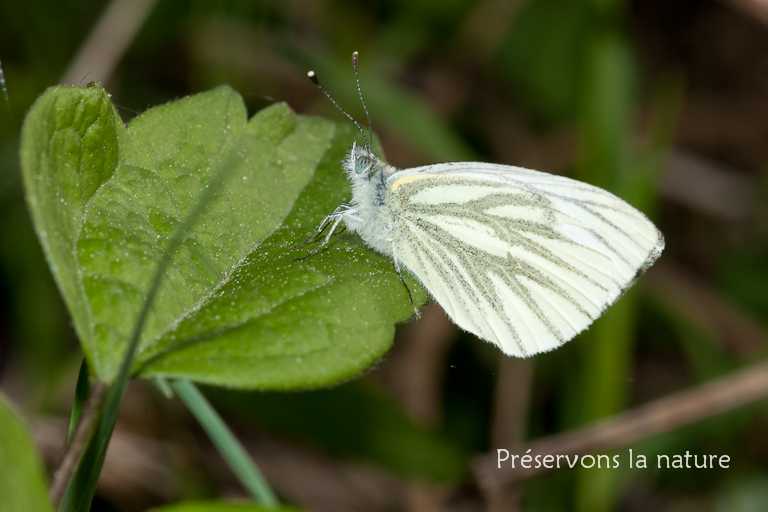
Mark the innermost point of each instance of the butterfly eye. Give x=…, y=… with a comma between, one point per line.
x=363, y=163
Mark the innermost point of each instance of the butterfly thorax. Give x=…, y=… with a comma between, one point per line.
x=369, y=215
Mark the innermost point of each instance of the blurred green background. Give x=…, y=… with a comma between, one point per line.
x=663, y=103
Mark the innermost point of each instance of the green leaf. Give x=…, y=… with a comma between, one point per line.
x=22, y=481
x=234, y=309
x=220, y=506
x=68, y=150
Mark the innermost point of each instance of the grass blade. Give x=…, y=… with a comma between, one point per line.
x=229, y=447
x=81, y=394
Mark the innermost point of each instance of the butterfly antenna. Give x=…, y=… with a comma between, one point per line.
x=360, y=92
x=312, y=76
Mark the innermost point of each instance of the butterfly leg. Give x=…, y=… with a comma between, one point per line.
x=400, y=274
x=337, y=213
x=331, y=220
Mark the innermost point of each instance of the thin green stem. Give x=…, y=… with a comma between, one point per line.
x=227, y=444
x=163, y=386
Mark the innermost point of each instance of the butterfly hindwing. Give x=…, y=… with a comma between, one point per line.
x=521, y=258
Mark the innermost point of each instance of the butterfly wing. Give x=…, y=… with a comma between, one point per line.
x=521, y=258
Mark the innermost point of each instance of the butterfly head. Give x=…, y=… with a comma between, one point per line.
x=360, y=162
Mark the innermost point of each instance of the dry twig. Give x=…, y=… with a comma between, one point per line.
x=659, y=416
x=108, y=41
x=758, y=9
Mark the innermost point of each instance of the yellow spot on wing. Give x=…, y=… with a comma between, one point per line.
x=408, y=178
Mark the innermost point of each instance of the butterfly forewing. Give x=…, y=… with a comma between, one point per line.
x=521, y=258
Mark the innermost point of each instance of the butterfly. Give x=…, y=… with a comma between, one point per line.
x=523, y=259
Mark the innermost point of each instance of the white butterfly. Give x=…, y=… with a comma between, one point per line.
x=520, y=258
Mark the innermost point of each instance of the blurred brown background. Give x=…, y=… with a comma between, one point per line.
x=664, y=103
